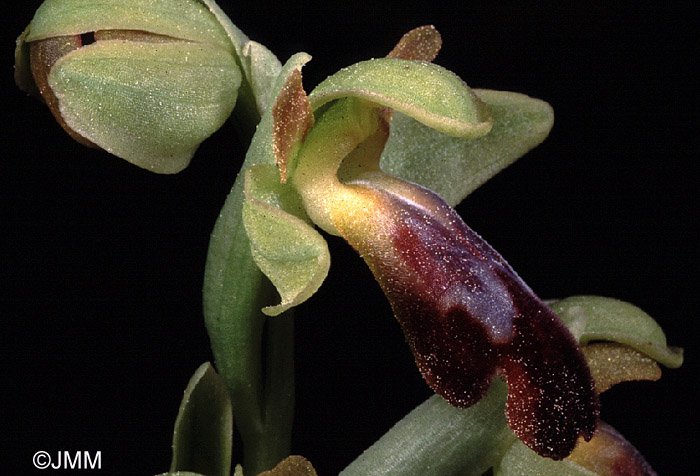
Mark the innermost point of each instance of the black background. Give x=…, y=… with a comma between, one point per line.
x=102, y=262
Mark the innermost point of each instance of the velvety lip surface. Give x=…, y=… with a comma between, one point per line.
x=468, y=316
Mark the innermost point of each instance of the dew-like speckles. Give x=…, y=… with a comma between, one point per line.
x=465, y=313
x=467, y=317
x=292, y=120
x=421, y=44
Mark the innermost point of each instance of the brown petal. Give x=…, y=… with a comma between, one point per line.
x=292, y=121
x=422, y=43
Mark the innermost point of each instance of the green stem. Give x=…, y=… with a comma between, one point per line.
x=278, y=403
x=270, y=442
x=234, y=292
x=437, y=439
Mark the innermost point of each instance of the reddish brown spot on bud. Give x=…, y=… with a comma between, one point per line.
x=43, y=55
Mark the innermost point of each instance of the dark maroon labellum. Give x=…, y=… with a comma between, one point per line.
x=468, y=316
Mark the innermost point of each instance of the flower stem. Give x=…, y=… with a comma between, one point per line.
x=437, y=439
x=253, y=353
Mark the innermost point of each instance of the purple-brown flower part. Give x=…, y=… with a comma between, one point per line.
x=466, y=314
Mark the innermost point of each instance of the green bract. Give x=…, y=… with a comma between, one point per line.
x=437, y=439
x=153, y=114
x=146, y=81
x=203, y=432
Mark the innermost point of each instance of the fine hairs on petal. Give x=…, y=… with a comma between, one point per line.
x=468, y=316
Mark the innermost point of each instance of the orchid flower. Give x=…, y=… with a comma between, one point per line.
x=465, y=313
x=377, y=154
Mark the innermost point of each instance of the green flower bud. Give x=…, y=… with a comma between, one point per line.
x=146, y=80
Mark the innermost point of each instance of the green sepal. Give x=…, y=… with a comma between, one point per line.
x=424, y=91
x=520, y=460
x=237, y=38
x=286, y=248
x=454, y=167
x=437, y=439
x=261, y=386
x=151, y=104
x=595, y=318
x=203, y=435
x=262, y=68
x=186, y=20
x=231, y=273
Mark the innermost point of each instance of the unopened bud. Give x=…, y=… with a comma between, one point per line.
x=147, y=81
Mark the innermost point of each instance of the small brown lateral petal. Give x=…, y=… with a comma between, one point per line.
x=422, y=44
x=610, y=454
x=292, y=466
x=292, y=118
